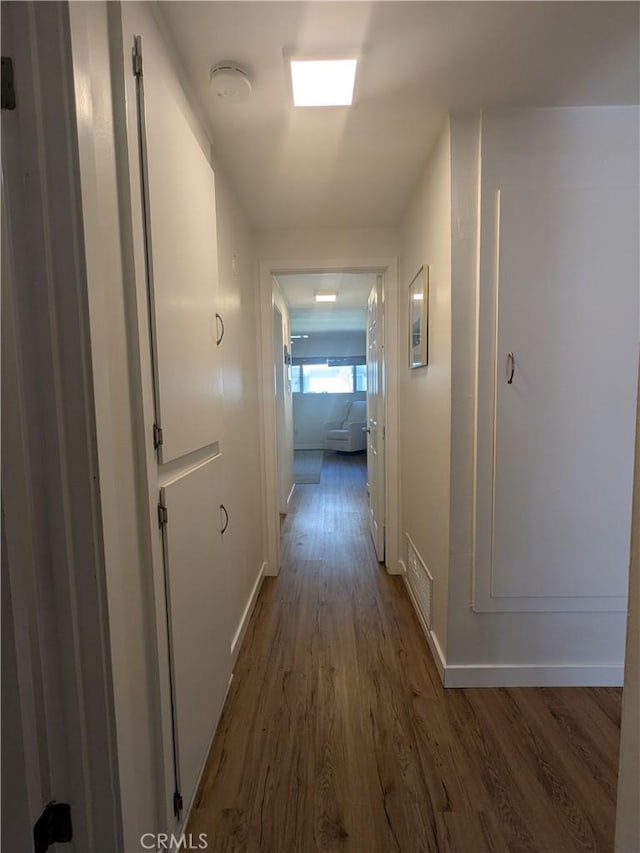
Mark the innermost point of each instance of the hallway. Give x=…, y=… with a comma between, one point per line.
x=338, y=735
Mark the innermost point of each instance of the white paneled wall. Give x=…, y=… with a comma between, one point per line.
x=129, y=474
x=558, y=286
x=579, y=147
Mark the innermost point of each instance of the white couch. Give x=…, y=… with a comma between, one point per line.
x=348, y=435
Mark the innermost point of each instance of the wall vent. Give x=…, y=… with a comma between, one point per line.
x=421, y=583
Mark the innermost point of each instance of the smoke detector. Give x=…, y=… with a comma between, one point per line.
x=230, y=83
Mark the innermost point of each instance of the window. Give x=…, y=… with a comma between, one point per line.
x=323, y=379
x=295, y=378
x=319, y=377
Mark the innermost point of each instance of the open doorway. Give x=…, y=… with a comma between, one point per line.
x=328, y=364
x=329, y=379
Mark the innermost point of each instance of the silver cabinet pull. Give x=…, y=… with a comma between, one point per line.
x=226, y=518
x=220, y=321
x=511, y=368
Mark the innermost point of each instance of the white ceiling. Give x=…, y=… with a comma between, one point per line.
x=357, y=165
x=347, y=314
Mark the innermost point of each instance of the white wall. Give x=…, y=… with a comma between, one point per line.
x=244, y=547
x=326, y=243
x=425, y=392
x=438, y=408
x=103, y=65
x=533, y=647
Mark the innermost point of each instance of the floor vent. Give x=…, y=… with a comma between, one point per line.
x=421, y=582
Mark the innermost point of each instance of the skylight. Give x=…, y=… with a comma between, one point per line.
x=323, y=82
x=325, y=297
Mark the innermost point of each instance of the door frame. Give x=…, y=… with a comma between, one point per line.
x=54, y=570
x=388, y=268
x=376, y=468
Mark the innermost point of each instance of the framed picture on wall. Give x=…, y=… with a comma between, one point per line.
x=419, y=318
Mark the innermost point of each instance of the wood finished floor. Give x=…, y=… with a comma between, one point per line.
x=338, y=735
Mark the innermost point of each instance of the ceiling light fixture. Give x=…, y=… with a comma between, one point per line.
x=326, y=297
x=323, y=82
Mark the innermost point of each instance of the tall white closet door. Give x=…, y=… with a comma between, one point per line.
x=197, y=613
x=568, y=312
x=183, y=272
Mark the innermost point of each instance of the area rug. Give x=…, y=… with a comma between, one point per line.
x=307, y=465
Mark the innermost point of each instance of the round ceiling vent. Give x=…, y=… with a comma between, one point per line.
x=230, y=83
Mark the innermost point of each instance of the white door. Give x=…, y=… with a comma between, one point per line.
x=279, y=387
x=197, y=614
x=182, y=269
x=375, y=417
x=565, y=380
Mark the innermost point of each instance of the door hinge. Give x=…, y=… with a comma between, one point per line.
x=136, y=55
x=53, y=826
x=177, y=803
x=163, y=515
x=157, y=436
x=8, y=91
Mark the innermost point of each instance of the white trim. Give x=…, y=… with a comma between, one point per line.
x=52, y=524
x=268, y=411
x=515, y=675
x=144, y=414
x=523, y=675
x=432, y=640
x=389, y=268
x=485, y=602
x=243, y=624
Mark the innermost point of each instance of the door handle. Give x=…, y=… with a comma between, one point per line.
x=511, y=368
x=226, y=519
x=220, y=321
x=367, y=430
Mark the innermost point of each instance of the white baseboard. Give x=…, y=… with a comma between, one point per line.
x=516, y=675
x=268, y=570
x=396, y=568
x=246, y=615
x=508, y=675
